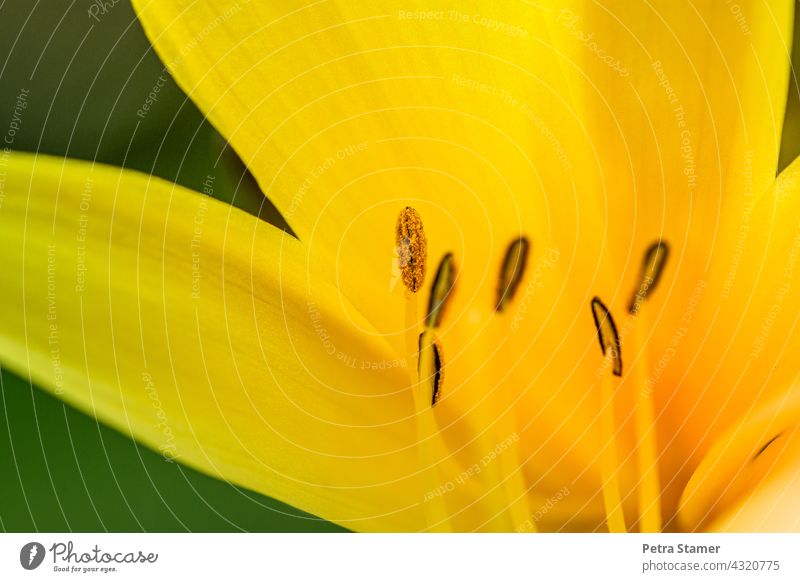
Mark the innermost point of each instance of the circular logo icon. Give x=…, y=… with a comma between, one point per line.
x=31, y=555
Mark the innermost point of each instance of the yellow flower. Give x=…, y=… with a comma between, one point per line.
x=493, y=185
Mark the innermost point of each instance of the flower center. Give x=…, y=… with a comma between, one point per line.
x=426, y=349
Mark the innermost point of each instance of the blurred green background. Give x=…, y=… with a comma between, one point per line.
x=87, y=77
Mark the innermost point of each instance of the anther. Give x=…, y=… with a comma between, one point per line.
x=412, y=248
x=652, y=267
x=431, y=364
x=442, y=287
x=607, y=334
x=512, y=271
x=766, y=446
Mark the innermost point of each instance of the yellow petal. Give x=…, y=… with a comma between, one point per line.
x=772, y=506
x=749, y=481
x=346, y=112
x=684, y=104
x=205, y=334
x=734, y=342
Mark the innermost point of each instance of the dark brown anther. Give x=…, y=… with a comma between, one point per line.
x=652, y=267
x=766, y=446
x=434, y=372
x=511, y=273
x=607, y=334
x=440, y=291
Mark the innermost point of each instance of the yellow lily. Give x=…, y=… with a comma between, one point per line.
x=479, y=193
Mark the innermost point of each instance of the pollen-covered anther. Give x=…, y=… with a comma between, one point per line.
x=442, y=287
x=511, y=272
x=607, y=334
x=655, y=258
x=431, y=365
x=412, y=248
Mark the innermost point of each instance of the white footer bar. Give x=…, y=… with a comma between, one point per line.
x=401, y=557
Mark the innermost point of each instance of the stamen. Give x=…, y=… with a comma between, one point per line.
x=648, y=487
x=512, y=271
x=766, y=446
x=607, y=334
x=412, y=248
x=653, y=266
x=496, y=332
x=609, y=343
x=431, y=364
x=412, y=251
x=442, y=287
